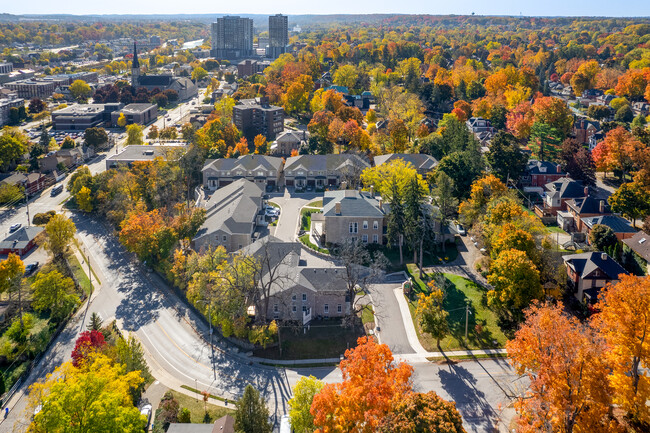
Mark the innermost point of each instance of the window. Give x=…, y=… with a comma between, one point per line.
x=339, y=308
x=260, y=173
x=375, y=225
x=375, y=239
x=365, y=224
x=354, y=227
x=304, y=308
x=275, y=308
x=294, y=308
x=364, y=238
x=304, y=297
x=293, y=298
x=326, y=310
x=225, y=238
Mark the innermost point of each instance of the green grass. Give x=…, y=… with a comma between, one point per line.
x=554, y=229
x=459, y=290
x=305, y=219
x=430, y=258
x=198, y=408
x=275, y=205
x=466, y=357
x=367, y=314
x=80, y=273
x=316, y=203
x=305, y=240
x=293, y=367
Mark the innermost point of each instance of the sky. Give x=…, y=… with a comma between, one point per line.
x=628, y=8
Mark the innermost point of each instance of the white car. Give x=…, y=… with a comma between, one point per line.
x=14, y=227
x=461, y=230
x=146, y=411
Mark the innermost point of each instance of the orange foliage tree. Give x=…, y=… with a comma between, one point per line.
x=147, y=235
x=624, y=323
x=371, y=384
x=564, y=360
x=420, y=412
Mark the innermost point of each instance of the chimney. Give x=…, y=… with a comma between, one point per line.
x=337, y=208
x=372, y=190
x=601, y=208
x=344, y=185
x=558, y=168
x=603, y=257
x=381, y=204
x=586, y=191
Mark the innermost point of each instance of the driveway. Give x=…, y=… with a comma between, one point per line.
x=290, y=204
x=389, y=318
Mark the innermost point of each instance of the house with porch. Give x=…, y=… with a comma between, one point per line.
x=589, y=272
x=260, y=169
x=558, y=193
x=320, y=171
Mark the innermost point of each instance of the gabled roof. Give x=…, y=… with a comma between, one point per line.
x=353, y=203
x=292, y=136
x=245, y=162
x=420, y=161
x=640, y=244
x=565, y=188
x=232, y=209
x=155, y=80
x=614, y=222
x=584, y=264
x=587, y=205
x=328, y=162
x=15, y=178
x=19, y=239
x=543, y=167
x=323, y=279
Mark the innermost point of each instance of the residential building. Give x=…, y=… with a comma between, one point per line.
x=142, y=114
x=640, y=107
x=6, y=68
x=133, y=153
x=289, y=141
x=260, y=169
x=478, y=125
x=583, y=207
x=21, y=241
x=5, y=108
x=225, y=424
x=595, y=139
x=32, y=88
x=584, y=129
x=620, y=226
x=320, y=171
x=423, y=163
x=590, y=272
x=83, y=116
x=184, y=87
x=257, y=116
x=539, y=173
x=32, y=182
x=351, y=214
x=232, y=37
x=278, y=35
x=559, y=192
x=232, y=215
x=637, y=248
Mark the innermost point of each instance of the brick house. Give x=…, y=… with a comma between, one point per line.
x=20, y=242
x=585, y=207
x=620, y=226
x=590, y=272
x=539, y=173
x=260, y=169
x=319, y=171
x=559, y=192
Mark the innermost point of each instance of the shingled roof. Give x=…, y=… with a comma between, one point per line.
x=586, y=263
x=353, y=203
x=640, y=244
x=420, y=161
x=245, y=162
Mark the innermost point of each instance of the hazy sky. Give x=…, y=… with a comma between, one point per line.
x=289, y=7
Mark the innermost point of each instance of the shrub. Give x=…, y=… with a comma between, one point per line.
x=40, y=219
x=184, y=416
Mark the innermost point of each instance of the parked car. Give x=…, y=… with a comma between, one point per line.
x=272, y=212
x=461, y=230
x=56, y=190
x=146, y=411
x=14, y=227
x=30, y=268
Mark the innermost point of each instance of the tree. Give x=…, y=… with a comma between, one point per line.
x=382, y=177
x=302, y=421
x=169, y=133
x=463, y=168
x=11, y=193
x=198, y=74
x=131, y=355
x=68, y=143
x=84, y=199
x=12, y=270
x=506, y=159
x=95, y=137
x=483, y=191
x=433, y=317
x=545, y=141
x=602, y=237
x=134, y=134
x=624, y=323
x=184, y=416
x=630, y=200
x=624, y=114
x=54, y=292
x=153, y=132
x=553, y=111
x=251, y=414
x=396, y=220
x=169, y=410
x=443, y=197
x=80, y=90
x=36, y=105
x=598, y=112
x=413, y=213
x=260, y=144
x=59, y=233
x=86, y=400
x=371, y=383
x=566, y=366
x=11, y=148
x=121, y=120
x=87, y=347
x=422, y=412
x=147, y=235
x=95, y=322
x=346, y=76
x=515, y=282
x=578, y=162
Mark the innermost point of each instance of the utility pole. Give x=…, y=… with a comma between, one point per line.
x=27, y=203
x=466, y=317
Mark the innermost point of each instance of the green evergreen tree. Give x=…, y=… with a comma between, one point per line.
x=396, y=219
x=95, y=323
x=252, y=415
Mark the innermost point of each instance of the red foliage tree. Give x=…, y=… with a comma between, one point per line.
x=88, y=343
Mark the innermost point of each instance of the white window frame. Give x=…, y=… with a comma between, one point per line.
x=375, y=225
x=326, y=309
x=304, y=297
x=354, y=227
x=364, y=239
x=375, y=239
x=365, y=225
x=339, y=308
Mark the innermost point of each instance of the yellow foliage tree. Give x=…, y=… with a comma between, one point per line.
x=84, y=199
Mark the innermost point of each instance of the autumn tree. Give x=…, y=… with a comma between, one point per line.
x=54, y=292
x=84, y=199
x=422, y=412
x=121, y=120
x=432, y=315
x=624, y=323
x=578, y=162
x=515, y=283
x=261, y=145
x=12, y=270
x=83, y=399
x=251, y=413
x=383, y=176
x=509, y=237
x=95, y=137
x=134, y=134
x=602, y=237
x=565, y=363
x=372, y=382
x=302, y=421
x=147, y=235
x=87, y=347
x=59, y=233
x=80, y=90
x=631, y=201
x=506, y=159
x=482, y=192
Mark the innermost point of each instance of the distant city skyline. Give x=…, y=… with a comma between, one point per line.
x=629, y=8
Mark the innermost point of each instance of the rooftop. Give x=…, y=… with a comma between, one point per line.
x=330, y=162
x=136, y=108
x=20, y=238
x=585, y=263
x=640, y=244
x=614, y=222
x=353, y=203
x=245, y=162
x=420, y=161
x=145, y=152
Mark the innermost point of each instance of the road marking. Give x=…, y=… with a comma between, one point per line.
x=179, y=348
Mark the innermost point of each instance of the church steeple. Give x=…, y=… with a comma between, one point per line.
x=135, y=68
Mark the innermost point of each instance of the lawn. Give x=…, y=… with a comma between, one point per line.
x=80, y=273
x=275, y=205
x=554, y=229
x=483, y=329
x=367, y=314
x=305, y=219
x=316, y=203
x=305, y=240
x=323, y=339
x=197, y=408
x=432, y=257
